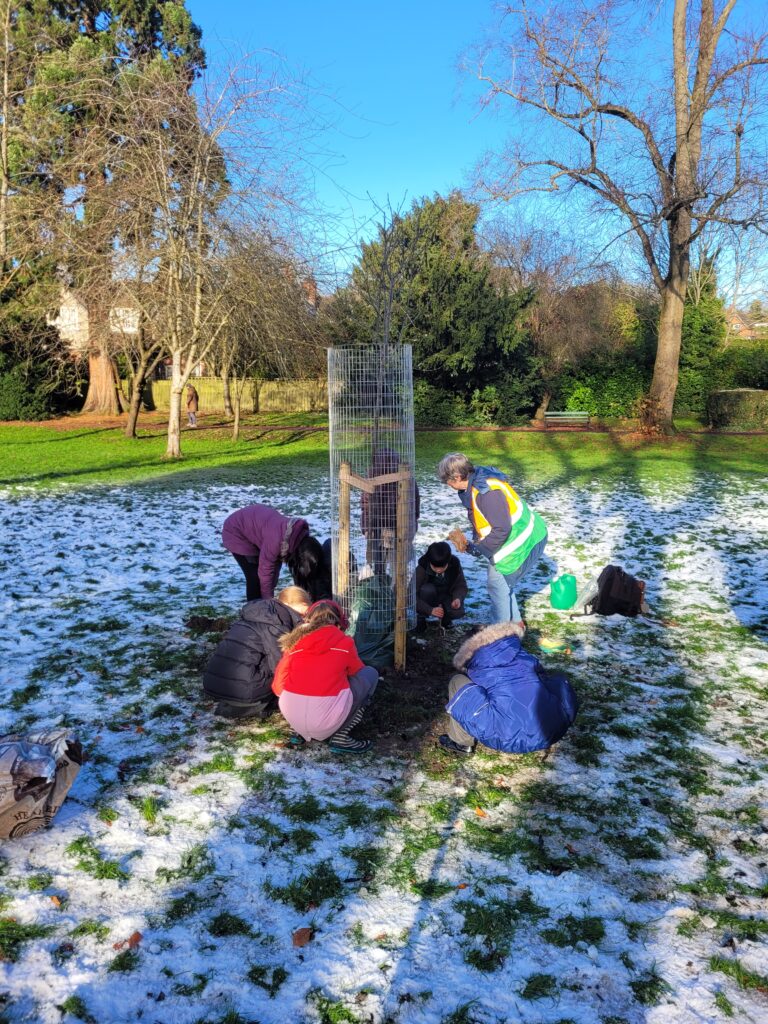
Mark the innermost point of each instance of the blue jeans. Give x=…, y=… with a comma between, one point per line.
x=501, y=589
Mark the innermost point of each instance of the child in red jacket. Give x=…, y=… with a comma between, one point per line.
x=322, y=685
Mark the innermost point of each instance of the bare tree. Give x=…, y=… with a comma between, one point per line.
x=270, y=330
x=142, y=351
x=189, y=172
x=667, y=152
x=576, y=299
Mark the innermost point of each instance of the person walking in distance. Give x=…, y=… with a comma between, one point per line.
x=193, y=404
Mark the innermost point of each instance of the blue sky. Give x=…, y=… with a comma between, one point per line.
x=405, y=119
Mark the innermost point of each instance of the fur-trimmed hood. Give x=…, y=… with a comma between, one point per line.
x=486, y=636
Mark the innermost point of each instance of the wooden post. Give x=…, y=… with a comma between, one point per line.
x=342, y=549
x=401, y=563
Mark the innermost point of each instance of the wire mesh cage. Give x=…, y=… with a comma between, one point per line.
x=374, y=497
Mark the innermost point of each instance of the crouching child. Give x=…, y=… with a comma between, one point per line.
x=239, y=673
x=502, y=697
x=440, y=587
x=323, y=687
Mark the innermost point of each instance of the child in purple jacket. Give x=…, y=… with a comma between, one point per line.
x=261, y=539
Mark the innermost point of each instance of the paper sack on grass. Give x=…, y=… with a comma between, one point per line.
x=36, y=773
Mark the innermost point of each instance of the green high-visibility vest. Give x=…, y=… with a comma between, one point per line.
x=526, y=531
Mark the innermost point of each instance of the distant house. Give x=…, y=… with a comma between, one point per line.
x=311, y=294
x=741, y=325
x=124, y=320
x=74, y=326
x=72, y=323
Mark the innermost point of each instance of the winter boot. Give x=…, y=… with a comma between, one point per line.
x=447, y=743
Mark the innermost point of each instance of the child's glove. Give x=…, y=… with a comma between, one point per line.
x=457, y=538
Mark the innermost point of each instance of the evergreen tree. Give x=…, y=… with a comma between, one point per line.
x=462, y=323
x=703, y=335
x=51, y=57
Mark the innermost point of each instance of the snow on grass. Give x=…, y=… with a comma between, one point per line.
x=620, y=879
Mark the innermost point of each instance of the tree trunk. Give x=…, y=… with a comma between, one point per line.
x=5, y=178
x=227, y=390
x=137, y=390
x=658, y=414
x=236, y=423
x=122, y=399
x=546, y=398
x=173, y=448
x=103, y=394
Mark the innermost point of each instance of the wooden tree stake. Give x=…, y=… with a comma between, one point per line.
x=342, y=555
x=401, y=564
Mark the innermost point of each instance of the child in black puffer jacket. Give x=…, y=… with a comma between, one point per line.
x=239, y=673
x=440, y=587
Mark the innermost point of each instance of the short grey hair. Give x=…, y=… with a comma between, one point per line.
x=455, y=464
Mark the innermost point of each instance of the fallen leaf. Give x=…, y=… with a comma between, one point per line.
x=55, y=901
x=302, y=936
x=381, y=938
x=134, y=940
x=480, y=812
x=462, y=885
x=139, y=728
x=571, y=849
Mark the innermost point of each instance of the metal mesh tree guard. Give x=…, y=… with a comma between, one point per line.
x=374, y=498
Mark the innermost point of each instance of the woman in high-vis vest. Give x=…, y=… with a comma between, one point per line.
x=505, y=529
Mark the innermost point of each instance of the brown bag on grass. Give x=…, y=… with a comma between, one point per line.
x=36, y=773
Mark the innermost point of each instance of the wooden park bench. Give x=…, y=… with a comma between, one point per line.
x=566, y=419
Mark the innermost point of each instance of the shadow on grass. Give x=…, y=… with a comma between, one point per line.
x=606, y=817
x=57, y=437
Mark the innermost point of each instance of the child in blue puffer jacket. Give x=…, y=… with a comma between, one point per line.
x=502, y=697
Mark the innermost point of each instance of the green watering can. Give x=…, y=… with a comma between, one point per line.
x=563, y=591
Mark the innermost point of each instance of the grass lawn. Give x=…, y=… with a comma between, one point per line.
x=43, y=455
x=204, y=873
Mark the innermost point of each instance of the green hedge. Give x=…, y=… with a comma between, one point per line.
x=738, y=409
x=22, y=394
x=615, y=394
x=743, y=364
x=503, y=404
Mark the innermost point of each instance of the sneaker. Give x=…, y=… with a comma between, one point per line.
x=447, y=743
x=296, y=741
x=346, y=745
